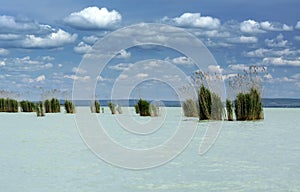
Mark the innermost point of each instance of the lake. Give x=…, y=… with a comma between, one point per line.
x=48, y=154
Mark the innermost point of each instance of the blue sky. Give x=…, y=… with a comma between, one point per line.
x=42, y=42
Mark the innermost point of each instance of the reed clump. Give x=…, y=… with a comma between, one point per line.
x=144, y=108
x=27, y=106
x=112, y=107
x=190, y=108
x=217, y=110
x=95, y=108
x=52, y=106
x=47, y=105
x=248, y=106
x=9, y=105
x=247, y=88
x=69, y=107
x=210, y=105
x=207, y=105
x=55, y=105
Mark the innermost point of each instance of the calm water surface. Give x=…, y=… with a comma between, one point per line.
x=47, y=154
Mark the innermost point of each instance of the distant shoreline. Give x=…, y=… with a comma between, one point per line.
x=267, y=103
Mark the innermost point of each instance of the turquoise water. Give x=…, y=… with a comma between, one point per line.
x=47, y=154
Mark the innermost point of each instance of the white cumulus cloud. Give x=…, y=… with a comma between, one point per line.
x=213, y=33
x=9, y=36
x=268, y=76
x=90, y=39
x=280, y=61
x=9, y=23
x=252, y=26
x=243, y=39
x=3, y=52
x=76, y=77
x=48, y=58
x=266, y=25
x=257, y=53
x=55, y=39
x=93, y=18
x=123, y=54
x=122, y=77
x=40, y=78
x=196, y=20
x=2, y=63
x=297, y=25
x=26, y=64
x=142, y=75
x=182, y=60
x=215, y=69
x=286, y=28
x=82, y=48
x=238, y=67
x=277, y=42
x=296, y=76
x=100, y=78
x=78, y=70
x=261, y=52
x=121, y=66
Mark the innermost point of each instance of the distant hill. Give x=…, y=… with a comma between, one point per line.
x=267, y=102
x=130, y=102
x=282, y=103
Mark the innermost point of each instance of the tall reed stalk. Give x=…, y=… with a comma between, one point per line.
x=97, y=106
x=40, y=109
x=210, y=105
x=204, y=99
x=229, y=110
x=137, y=109
x=154, y=110
x=119, y=109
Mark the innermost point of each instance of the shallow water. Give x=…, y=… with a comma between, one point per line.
x=48, y=154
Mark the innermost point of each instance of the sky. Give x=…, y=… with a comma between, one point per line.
x=42, y=43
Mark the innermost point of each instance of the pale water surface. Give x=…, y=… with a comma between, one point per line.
x=48, y=154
